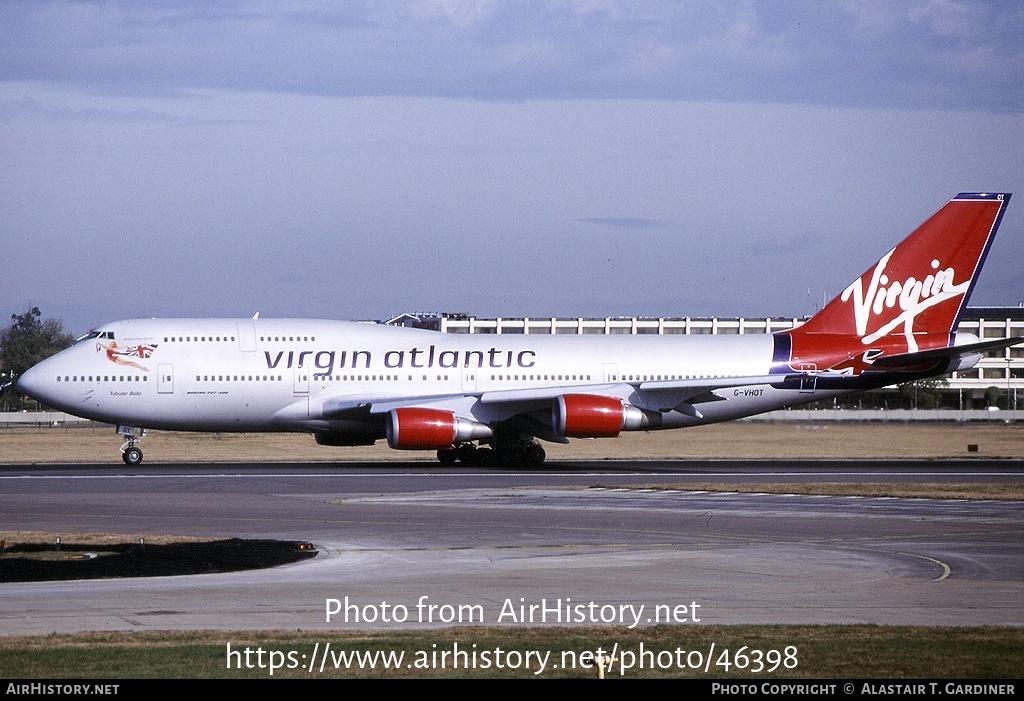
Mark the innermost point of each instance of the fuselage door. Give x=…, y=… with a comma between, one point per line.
x=611, y=372
x=302, y=379
x=165, y=378
x=246, y=336
x=469, y=379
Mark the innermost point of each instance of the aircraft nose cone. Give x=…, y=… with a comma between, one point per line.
x=31, y=383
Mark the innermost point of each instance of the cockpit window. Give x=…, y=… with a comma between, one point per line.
x=95, y=334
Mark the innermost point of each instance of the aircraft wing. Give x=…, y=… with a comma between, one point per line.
x=656, y=395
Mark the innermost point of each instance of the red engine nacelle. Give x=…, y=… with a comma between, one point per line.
x=418, y=428
x=591, y=416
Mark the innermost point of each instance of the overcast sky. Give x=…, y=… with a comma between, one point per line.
x=558, y=158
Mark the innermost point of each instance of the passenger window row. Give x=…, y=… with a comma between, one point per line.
x=238, y=378
x=102, y=378
x=194, y=339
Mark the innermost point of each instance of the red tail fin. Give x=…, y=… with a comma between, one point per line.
x=921, y=286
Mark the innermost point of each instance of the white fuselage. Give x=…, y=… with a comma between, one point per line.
x=279, y=374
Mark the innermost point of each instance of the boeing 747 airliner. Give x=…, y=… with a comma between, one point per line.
x=486, y=399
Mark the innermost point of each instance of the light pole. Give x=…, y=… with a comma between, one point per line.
x=1009, y=375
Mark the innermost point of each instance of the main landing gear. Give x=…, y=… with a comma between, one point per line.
x=131, y=453
x=518, y=453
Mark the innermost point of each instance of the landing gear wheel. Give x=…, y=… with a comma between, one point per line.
x=534, y=456
x=507, y=459
x=515, y=451
x=484, y=457
x=471, y=456
x=132, y=456
x=447, y=456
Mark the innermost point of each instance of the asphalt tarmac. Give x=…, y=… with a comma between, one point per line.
x=405, y=545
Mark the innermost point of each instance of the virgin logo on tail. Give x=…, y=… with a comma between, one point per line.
x=919, y=287
x=911, y=295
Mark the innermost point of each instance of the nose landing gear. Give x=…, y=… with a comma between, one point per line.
x=131, y=453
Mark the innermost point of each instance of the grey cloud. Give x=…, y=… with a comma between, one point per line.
x=625, y=222
x=963, y=54
x=30, y=109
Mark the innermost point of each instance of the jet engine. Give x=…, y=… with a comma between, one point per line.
x=591, y=416
x=419, y=428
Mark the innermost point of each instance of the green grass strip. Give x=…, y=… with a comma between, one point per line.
x=856, y=651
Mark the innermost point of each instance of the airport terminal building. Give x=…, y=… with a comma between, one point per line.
x=1001, y=369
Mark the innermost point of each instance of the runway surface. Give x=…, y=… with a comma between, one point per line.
x=478, y=542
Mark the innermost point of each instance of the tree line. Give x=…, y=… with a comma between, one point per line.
x=26, y=341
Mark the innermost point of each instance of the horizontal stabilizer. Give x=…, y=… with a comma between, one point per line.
x=904, y=360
